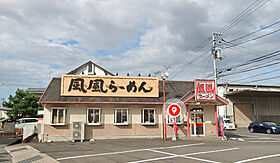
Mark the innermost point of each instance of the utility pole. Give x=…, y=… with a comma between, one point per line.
x=216, y=52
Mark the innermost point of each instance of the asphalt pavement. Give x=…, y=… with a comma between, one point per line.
x=247, y=148
x=242, y=147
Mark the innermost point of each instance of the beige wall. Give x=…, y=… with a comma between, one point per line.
x=107, y=129
x=264, y=108
x=243, y=114
x=77, y=112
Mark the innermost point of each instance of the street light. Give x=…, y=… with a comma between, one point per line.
x=164, y=77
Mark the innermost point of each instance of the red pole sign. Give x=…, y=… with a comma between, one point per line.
x=188, y=120
x=164, y=132
x=216, y=121
x=174, y=110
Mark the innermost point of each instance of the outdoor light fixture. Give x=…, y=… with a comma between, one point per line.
x=165, y=76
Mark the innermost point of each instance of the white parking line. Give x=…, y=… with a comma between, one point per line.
x=265, y=141
x=260, y=138
x=129, y=151
x=166, y=153
x=200, y=159
x=206, y=152
x=258, y=158
x=184, y=156
x=264, y=138
x=154, y=159
x=248, y=136
x=172, y=156
x=178, y=146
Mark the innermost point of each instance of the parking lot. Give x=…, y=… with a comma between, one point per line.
x=244, y=147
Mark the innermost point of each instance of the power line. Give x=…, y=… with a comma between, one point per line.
x=245, y=13
x=252, y=81
x=244, y=49
x=246, y=63
x=259, y=37
x=266, y=27
x=201, y=45
x=250, y=69
x=251, y=51
x=237, y=17
x=248, y=11
x=258, y=59
x=253, y=7
x=189, y=63
x=207, y=66
x=268, y=72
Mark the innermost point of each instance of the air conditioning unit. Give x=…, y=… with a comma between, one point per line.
x=78, y=131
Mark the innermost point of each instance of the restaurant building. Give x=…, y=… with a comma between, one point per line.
x=104, y=106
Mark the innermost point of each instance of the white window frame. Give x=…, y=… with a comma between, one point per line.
x=100, y=122
x=64, y=116
x=170, y=122
x=115, y=116
x=142, y=116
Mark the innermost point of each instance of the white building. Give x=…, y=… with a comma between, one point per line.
x=90, y=68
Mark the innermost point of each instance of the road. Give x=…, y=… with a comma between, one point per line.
x=247, y=148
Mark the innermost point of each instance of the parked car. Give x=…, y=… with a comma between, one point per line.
x=22, y=122
x=265, y=127
x=228, y=124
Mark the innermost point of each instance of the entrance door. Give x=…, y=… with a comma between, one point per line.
x=197, y=124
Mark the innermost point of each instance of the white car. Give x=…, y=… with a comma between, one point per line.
x=25, y=121
x=228, y=124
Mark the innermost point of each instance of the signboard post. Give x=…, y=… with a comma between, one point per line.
x=174, y=110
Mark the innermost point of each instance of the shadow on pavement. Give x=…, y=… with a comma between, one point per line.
x=10, y=141
x=233, y=134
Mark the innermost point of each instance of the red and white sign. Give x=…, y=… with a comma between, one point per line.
x=205, y=90
x=174, y=110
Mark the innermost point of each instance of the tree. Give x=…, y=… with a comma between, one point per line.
x=24, y=105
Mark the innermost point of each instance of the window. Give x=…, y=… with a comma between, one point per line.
x=58, y=116
x=89, y=68
x=121, y=117
x=148, y=116
x=177, y=119
x=30, y=120
x=94, y=116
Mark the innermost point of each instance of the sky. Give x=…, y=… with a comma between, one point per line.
x=40, y=40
